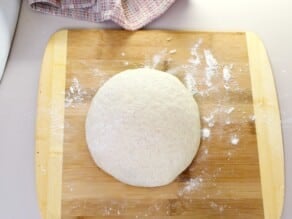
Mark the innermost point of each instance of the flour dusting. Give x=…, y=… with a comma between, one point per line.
x=175, y=70
x=195, y=57
x=158, y=58
x=227, y=75
x=252, y=118
x=227, y=87
x=218, y=207
x=75, y=93
x=190, y=83
x=206, y=151
x=113, y=208
x=229, y=110
x=234, y=139
x=227, y=121
x=211, y=68
x=190, y=70
x=209, y=120
x=229, y=155
x=191, y=185
x=227, y=72
x=69, y=187
x=210, y=60
x=206, y=133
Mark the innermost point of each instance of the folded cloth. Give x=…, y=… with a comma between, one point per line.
x=130, y=14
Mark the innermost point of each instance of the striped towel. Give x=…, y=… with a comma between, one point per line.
x=130, y=14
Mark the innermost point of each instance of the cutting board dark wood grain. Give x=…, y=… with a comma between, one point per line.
x=238, y=171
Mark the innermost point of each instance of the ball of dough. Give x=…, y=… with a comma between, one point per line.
x=143, y=127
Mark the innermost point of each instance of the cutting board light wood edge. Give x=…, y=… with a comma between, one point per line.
x=49, y=131
x=50, y=115
x=269, y=135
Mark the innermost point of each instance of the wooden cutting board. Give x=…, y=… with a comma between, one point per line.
x=238, y=171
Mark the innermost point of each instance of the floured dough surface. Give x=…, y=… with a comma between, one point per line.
x=143, y=127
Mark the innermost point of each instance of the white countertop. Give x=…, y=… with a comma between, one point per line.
x=271, y=20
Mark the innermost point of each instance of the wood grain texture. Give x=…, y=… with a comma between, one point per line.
x=226, y=176
x=49, y=128
x=268, y=126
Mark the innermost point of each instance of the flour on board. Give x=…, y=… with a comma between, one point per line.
x=195, y=57
x=212, y=71
x=74, y=94
x=227, y=72
x=234, y=139
x=191, y=185
x=157, y=59
x=209, y=120
x=206, y=133
x=211, y=68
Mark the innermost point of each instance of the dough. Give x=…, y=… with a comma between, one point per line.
x=143, y=127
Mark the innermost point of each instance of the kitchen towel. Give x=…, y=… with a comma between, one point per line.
x=130, y=14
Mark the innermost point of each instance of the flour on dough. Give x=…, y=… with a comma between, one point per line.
x=143, y=127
